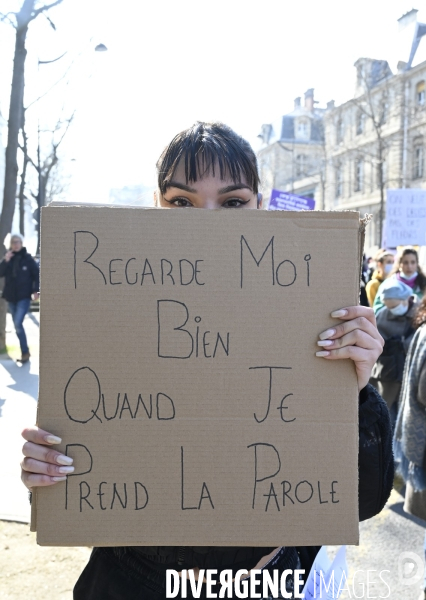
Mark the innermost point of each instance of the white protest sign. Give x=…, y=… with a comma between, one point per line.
x=405, y=217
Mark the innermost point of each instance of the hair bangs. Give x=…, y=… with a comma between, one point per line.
x=209, y=148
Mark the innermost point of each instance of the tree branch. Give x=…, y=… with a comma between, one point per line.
x=43, y=8
x=5, y=18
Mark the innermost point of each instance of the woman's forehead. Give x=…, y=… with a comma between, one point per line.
x=210, y=176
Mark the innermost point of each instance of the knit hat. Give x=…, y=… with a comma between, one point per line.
x=393, y=289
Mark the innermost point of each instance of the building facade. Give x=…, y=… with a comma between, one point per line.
x=291, y=157
x=347, y=156
x=375, y=141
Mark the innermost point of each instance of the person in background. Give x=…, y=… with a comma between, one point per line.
x=384, y=265
x=410, y=432
x=394, y=323
x=371, y=265
x=363, y=300
x=22, y=282
x=407, y=270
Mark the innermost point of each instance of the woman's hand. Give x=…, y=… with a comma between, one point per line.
x=42, y=464
x=357, y=339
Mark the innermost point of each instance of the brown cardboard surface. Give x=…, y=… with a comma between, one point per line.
x=182, y=377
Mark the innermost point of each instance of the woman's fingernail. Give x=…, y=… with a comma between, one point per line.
x=339, y=313
x=327, y=334
x=325, y=343
x=64, y=460
x=66, y=470
x=322, y=353
x=52, y=439
x=58, y=478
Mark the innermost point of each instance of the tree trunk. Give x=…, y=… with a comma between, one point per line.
x=22, y=198
x=14, y=124
x=41, y=201
x=22, y=184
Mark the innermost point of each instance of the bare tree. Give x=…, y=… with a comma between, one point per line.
x=46, y=167
x=25, y=161
x=20, y=21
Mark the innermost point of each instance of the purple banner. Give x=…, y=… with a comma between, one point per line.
x=286, y=201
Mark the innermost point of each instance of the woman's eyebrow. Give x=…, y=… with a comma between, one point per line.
x=232, y=188
x=181, y=186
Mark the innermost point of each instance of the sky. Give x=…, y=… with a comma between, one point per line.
x=171, y=63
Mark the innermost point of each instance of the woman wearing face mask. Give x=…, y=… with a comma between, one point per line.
x=394, y=323
x=384, y=266
x=407, y=270
x=208, y=166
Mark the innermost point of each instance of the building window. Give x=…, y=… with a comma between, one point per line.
x=384, y=112
x=360, y=121
x=420, y=93
x=418, y=162
x=339, y=131
x=339, y=181
x=302, y=129
x=301, y=165
x=359, y=175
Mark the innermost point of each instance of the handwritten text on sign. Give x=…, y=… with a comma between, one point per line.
x=185, y=397
x=405, y=217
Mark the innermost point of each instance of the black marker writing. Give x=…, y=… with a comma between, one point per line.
x=204, y=495
x=280, y=407
x=175, y=340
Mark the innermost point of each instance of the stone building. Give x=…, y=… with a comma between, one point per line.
x=291, y=157
x=347, y=156
x=375, y=141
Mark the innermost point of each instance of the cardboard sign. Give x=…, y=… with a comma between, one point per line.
x=287, y=201
x=178, y=366
x=405, y=223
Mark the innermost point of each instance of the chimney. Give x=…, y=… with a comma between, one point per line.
x=407, y=19
x=330, y=105
x=297, y=102
x=309, y=99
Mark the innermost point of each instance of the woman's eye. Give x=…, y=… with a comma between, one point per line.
x=182, y=202
x=234, y=203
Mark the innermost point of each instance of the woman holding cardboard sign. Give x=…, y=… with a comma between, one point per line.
x=209, y=166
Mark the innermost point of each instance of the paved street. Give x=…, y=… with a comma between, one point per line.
x=18, y=393
x=383, y=538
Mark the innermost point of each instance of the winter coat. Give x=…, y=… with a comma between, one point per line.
x=372, y=287
x=22, y=276
x=378, y=304
x=376, y=472
x=410, y=433
x=393, y=326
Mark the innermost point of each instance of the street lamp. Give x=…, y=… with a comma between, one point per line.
x=292, y=162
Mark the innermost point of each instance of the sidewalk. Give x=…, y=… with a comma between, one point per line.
x=18, y=405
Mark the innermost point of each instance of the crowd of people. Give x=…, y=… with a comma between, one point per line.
x=221, y=169
x=396, y=290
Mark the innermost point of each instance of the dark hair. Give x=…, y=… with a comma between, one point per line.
x=421, y=277
x=420, y=316
x=204, y=147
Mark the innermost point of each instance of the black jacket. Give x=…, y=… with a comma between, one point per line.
x=376, y=471
x=22, y=276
